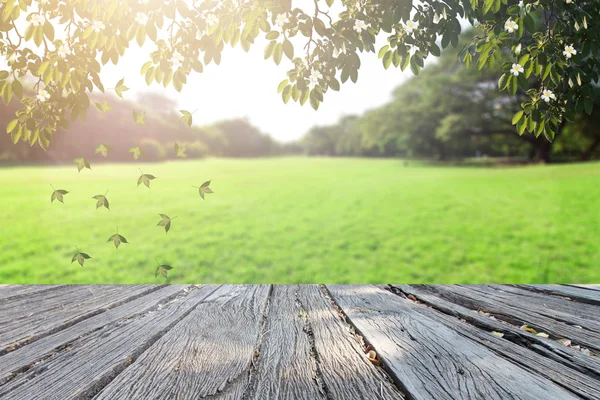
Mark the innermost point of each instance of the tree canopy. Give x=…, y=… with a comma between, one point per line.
x=63, y=46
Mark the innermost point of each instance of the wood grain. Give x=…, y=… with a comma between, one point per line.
x=90, y=362
x=537, y=316
x=308, y=353
x=581, y=384
x=549, y=348
x=13, y=291
x=430, y=360
x=21, y=358
x=209, y=353
x=583, y=295
x=25, y=319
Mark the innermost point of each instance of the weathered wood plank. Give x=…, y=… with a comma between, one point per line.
x=26, y=319
x=565, y=355
x=27, y=355
x=13, y=291
x=588, y=286
x=308, y=353
x=575, y=293
x=432, y=361
x=582, y=384
x=518, y=314
x=87, y=364
x=210, y=353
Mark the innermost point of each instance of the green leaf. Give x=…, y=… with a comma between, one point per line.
x=180, y=150
x=513, y=10
x=101, y=200
x=503, y=81
x=11, y=125
x=204, y=189
x=137, y=152
x=517, y=117
x=186, y=117
x=117, y=240
x=278, y=53
x=282, y=85
x=162, y=269
x=103, y=149
x=80, y=257
x=58, y=195
x=382, y=51
x=120, y=88
x=139, y=118
x=104, y=107
x=82, y=163
x=269, y=49
x=288, y=49
x=165, y=222
x=387, y=59
x=145, y=179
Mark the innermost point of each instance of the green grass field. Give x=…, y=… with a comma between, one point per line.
x=301, y=220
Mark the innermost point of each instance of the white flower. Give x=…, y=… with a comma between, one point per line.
x=516, y=69
x=410, y=26
x=547, y=95
x=568, y=1
x=42, y=95
x=436, y=18
x=98, y=26
x=314, y=77
x=63, y=50
x=141, y=18
x=569, y=51
x=36, y=19
x=281, y=20
x=359, y=25
x=198, y=3
x=510, y=26
x=211, y=19
x=176, y=60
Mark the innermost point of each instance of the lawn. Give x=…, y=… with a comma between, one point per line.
x=301, y=220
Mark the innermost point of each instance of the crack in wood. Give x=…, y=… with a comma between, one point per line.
x=384, y=369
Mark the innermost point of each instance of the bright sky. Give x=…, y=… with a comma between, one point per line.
x=245, y=85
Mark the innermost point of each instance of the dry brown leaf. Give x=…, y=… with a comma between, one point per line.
x=566, y=342
x=543, y=334
x=372, y=355
x=411, y=297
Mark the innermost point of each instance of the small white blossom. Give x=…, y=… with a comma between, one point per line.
x=516, y=69
x=198, y=3
x=63, y=51
x=141, y=18
x=42, y=95
x=547, y=95
x=360, y=25
x=436, y=18
x=511, y=26
x=568, y=1
x=36, y=19
x=411, y=26
x=569, y=51
x=281, y=20
x=314, y=77
x=98, y=26
x=212, y=19
x=176, y=60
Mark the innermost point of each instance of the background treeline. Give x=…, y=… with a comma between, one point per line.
x=452, y=112
x=117, y=129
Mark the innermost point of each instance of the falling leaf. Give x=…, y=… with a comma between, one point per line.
x=103, y=149
x=101, y=200
x=104, y=107
x=180, y=151
x=186, y=118
x=137, y=152
x=139, y=118
x=498, y=334
x=145, y=179
x=82, y=163
x=204, y=189
x=166, y=222
x=117, y=239
x=57, y=195
x=542, y=334
x=120, y=87
x=80, y=257
x=566, y=342
x=162, y=269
